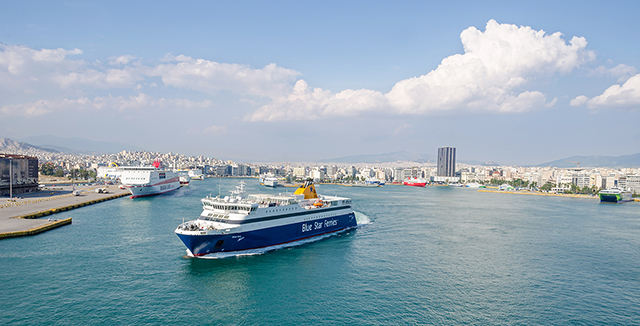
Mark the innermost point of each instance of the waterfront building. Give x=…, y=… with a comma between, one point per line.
x=446, y=161
x=581, y=179
x=317, y=174
x=18, y=174
x=633, y=183
x=300, y=173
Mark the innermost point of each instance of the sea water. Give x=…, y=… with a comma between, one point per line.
x=434, y=255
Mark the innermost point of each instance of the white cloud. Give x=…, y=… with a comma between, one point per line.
x=622, y=71
x=22, y=67
x=211, y=77
x=579, y=101
x=489, y=76
x=626, y=95
x=306, y=104
x=120, y=103
x=26, y=70
x=402, y=128
x=215, y=130
x=121, y=60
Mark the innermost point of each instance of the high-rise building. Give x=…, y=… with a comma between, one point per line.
x=18, y=174
x=446, y=162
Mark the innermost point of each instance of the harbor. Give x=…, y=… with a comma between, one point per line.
x=438, y=249
x=37, y=212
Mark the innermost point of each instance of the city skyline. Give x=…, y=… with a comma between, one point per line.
x=512, y=83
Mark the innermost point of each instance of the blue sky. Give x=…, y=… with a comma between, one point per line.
x=296, y=81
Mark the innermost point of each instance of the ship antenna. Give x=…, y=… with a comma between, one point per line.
x=219, y=186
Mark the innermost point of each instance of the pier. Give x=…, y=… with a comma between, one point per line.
x=25, y=216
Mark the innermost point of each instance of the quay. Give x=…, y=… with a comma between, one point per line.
x=534, y=193
x=24, y=216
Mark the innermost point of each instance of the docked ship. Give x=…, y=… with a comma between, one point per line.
x=242, y=222
x=184, y=178
x=148, y=180
x=196, y=174
x=615, y=195
x=364, y=184
x=269, y=180
x=416, y=182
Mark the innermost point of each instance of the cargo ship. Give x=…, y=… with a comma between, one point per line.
x=242, y=222
x=615, y=195
x=148, y=180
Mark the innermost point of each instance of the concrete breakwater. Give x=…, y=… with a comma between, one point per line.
x=68, y=207
x=36, y=230
x=23, y=217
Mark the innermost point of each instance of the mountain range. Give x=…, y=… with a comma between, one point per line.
x=623, y=161
x=9, y=145
x=76, y=145
x=402, y=156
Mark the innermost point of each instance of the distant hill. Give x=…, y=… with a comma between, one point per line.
x=623, y=161
x=11, y=146
x=382, y=158
x=75, y=145
x=473, y=162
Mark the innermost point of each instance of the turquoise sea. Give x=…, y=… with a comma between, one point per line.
x=434, y=255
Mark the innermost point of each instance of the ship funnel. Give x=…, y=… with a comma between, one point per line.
x=308, y=190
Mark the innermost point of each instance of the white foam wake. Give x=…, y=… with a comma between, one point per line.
x=362, y=219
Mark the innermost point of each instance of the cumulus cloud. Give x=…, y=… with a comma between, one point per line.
x=621, y=71
x=119, y=103
x=22, y=67
x=210, y=76
x=304, y=103
x=626, y=95
x=121, y=60
x=29, y=71
x=490, y=76
x=214, y=130
x=25, y=69
x=111, y=78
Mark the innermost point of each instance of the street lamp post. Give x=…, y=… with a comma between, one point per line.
x=10, y=178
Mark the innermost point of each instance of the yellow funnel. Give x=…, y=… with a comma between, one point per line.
x=308, y=190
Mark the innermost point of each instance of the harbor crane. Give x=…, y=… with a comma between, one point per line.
x=578, y=163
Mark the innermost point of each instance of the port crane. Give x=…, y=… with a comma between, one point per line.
x=578, y=163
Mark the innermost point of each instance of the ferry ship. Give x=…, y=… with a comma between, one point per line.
x=416, y=182
x=615, y=195
x=242, y=222
x=269, y=180
x=196, y=174
x=184, y=178
x=148, y=180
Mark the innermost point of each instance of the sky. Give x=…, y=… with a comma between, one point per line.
x=503, y=81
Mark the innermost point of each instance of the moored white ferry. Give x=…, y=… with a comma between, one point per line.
x=196, y=174
x=241, y=222
x=148, y=180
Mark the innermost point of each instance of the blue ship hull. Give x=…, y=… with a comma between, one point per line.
x=203, y=244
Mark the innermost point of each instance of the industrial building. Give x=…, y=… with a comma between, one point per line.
x=18, y=174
